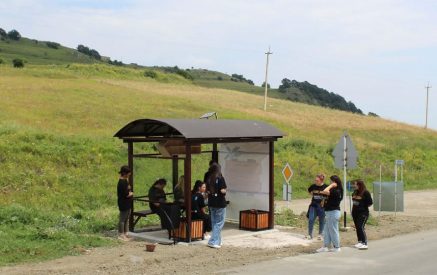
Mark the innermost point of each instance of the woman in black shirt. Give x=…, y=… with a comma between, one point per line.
x=360, y=211
x=316, y=207
x=124, y=200
x=332, y=211
x=198, y=206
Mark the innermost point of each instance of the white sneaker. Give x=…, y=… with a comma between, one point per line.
x=214, y=246
x=322, y=249
x=308, y=237
x=358, y=245
x=363, y=247
x=206, y=236
x=320, y=237
x=335, y=249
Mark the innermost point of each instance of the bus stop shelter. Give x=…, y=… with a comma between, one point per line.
x=244, y=149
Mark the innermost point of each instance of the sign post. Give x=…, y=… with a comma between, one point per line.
x=287, y=172
x=345, y=156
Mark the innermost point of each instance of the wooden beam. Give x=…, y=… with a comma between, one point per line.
x=130, y=160
x=271, y=185
x=187, y=188
x=175, y=173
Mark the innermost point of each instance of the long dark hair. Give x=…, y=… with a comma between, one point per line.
x=337, y=180
x=215, y=173
x=159, y=182
x=361, y=187
x=196, y=186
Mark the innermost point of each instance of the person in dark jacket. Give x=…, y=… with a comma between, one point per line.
x=362, y=200
x=198, y=206
x=316, y=208
x=332, y=211
x=124, y=200
x=216, y=186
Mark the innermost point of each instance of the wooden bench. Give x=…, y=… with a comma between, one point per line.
x=180, y=233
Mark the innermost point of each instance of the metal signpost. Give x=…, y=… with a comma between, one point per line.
x=287, y=172
x=345, y=156
x=400, y=163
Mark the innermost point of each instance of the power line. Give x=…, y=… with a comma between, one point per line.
x=265, y=82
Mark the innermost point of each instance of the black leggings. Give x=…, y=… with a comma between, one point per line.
x=360, y=219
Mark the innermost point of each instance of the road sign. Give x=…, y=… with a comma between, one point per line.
x=287, y=172
x=399, y=162
x=345, y=149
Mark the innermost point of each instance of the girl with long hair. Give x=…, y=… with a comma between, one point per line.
x=362, y=200
x=216, y=186
x=332, y=211
x=198, y=206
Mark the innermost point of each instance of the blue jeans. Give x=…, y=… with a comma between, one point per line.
x=314, y=212
x=217, y=221
x=331, y=234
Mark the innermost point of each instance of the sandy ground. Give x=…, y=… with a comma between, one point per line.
x=132, y=258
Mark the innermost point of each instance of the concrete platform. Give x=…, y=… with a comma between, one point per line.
x=233, y=236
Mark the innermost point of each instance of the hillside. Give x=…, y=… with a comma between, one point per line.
x=35, y=52
x=58, y=157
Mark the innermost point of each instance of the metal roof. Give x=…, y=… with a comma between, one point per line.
x=198, y=129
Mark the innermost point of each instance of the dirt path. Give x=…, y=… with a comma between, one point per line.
x=132, y=258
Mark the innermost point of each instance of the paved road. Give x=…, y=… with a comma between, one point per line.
x=407, y=254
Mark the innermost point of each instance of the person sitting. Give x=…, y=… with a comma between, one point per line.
x=179, y=194
x=157, y=195
x=198, y=206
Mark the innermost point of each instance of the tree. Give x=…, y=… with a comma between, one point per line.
x=14, y=35
x=2, y=33
x=18, y=63
x=285, y=84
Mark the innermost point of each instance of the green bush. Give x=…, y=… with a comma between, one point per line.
x=1, y=61
x=18, y=63
x=14, y=35
x=150, y=74
x=53, y=45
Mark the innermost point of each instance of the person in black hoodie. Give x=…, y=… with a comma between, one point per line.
x=360, y=211
x=216, y=186
x=124, y=200
x=332, y=211
x=198, y=206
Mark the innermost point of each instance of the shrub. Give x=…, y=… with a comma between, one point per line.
x=2, y=33
x=151, y=74
x=219, y=78
x=53, y=45
x=18, y=63
x=1, y=61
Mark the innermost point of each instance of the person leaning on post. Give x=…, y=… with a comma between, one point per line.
x=124, y=200
x=332, y=215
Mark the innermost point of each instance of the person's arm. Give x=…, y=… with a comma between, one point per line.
x=369, y=200
x=223, y=186
x=327, y=190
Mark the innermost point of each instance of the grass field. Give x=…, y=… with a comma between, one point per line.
x=58, y=157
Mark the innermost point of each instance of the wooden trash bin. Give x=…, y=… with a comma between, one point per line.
x=196, y=230
x=254, y=220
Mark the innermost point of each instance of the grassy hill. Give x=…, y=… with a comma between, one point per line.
x=58, y=159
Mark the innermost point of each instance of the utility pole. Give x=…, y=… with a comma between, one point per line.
x=427, y=95
x=265, y=82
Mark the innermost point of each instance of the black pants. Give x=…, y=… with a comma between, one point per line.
x=360, y=219
x=123, y=221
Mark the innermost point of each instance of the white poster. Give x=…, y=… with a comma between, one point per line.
x=245, y=167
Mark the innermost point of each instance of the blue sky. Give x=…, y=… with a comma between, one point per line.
x=377, y=53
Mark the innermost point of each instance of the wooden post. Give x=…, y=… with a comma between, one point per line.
x=175, y=171
x=271, y=185
x=187, y=188
x=130, y=160
x=214, y=152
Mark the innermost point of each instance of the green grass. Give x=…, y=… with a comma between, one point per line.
x=58, y=157
x=37, y=52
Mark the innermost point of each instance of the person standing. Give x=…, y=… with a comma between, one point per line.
x=216, y=185
x=124, y=200
x=198, y=207
x=332, y=214
x=316, y=206
x=362, y=200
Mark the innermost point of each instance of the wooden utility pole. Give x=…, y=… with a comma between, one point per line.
x=427, y=96
x=265, y=82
